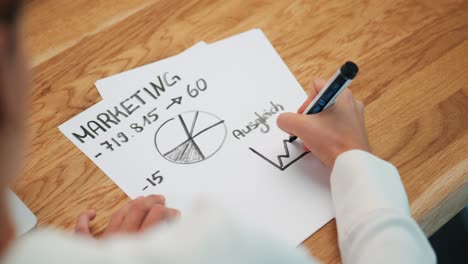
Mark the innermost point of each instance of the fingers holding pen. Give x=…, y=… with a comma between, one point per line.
x=315, y=87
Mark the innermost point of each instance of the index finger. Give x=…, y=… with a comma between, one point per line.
x=158, y=214
x=138, y=210
x=117, y=221
x=315, y=87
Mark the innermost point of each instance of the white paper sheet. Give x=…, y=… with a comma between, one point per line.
x=190, y=150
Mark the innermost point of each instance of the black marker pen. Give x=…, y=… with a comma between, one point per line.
x=327, y=96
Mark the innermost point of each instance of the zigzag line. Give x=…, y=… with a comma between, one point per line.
x=281, y=165
x=286, y=149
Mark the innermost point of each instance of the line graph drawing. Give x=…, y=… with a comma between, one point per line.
x=190, y=137
x=281, y=165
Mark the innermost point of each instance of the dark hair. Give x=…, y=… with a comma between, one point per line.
x=9, y=10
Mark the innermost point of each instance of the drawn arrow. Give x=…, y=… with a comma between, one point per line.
x=177, y=100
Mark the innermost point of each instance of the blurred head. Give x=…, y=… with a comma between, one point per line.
x=13, y=87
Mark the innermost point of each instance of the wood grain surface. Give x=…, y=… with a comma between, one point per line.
x=413, y=56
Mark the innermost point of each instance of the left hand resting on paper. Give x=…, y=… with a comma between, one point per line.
x=134, y=217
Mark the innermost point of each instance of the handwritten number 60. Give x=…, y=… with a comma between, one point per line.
x=200, y=87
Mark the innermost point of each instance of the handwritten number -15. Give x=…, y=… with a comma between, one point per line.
x=155, y=179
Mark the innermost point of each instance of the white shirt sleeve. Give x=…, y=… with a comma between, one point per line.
x=372, y=213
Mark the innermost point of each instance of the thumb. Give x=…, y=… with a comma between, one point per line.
x=82, y=223
x=290, y=122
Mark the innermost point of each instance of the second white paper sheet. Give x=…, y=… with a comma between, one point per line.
x=206, y=128
x=111, y=92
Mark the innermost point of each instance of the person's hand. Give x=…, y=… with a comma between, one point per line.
x=135, y=216
x=331, y=132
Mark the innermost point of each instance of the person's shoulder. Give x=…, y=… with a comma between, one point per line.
x=206, y=235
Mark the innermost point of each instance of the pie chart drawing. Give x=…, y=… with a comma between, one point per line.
x=190, y=137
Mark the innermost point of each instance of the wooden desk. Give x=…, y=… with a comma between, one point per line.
x=414, y=73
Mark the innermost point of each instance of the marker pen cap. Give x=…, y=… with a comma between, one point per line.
x=349, y=70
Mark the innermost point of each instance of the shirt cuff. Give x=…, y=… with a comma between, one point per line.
x=361, y=184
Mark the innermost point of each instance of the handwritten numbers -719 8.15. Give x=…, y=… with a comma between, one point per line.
x=121, y=138
x=147, y=120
